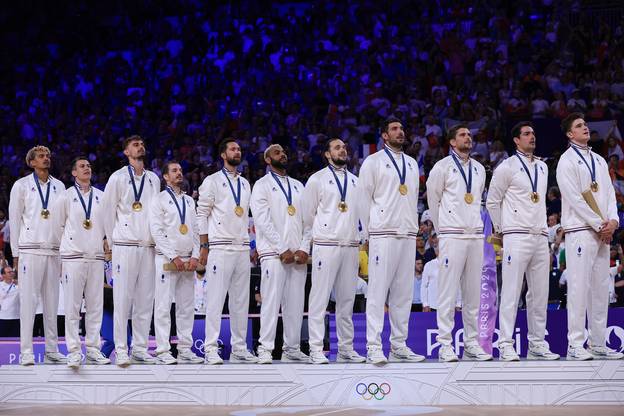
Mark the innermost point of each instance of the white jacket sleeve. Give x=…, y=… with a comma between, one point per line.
x=205, y=204
x=435, y=187
x=498, y=186
x=612, y=212
x=310, y=202
x=424, y=287
x=195, y=225
x=366, y=185
x=568, y=182
x=16, y=209
x=109, y=207
x=158, y=229
x=261, y=211
x=61, y=210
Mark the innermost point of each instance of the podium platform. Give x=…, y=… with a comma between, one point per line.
x=428, y=383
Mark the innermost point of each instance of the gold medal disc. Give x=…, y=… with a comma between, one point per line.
x=594, y=186
x=469, y=198
x=137, y=206
x=534, y=197
x=239, y=211
x=183, y=228
x=403, y=189
x=342, y=206
x=45, y=214
x=291, y=210
x=86, y=224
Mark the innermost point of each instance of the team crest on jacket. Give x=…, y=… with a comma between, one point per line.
x=509, y=259
x=579, y=251
x=446, y=262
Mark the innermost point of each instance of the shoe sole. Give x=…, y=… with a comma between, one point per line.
x=200, y=361
x=397, y=359
x=27, y=364
x=242, y=361
x=92, y=362
x=448, y=360
x=74, y=366
x=142, y=362
x=379, y=363
x=470, y=358
x=290, y=360
x=605, y=357
x=123, y=364
x=49, y=362
x=541, y=357
x=571, y=358
x=509, y=360
x=264, y=362
x=349, y=360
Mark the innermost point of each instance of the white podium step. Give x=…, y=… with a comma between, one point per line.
x=429, y=383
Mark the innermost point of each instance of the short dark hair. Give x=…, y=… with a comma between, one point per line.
x=453, y=130
x=76, y=159
x=388, y=121
x=131, y=139
x=566, y=123
x=224, y=143
x=165, y=168
x=517, y=128
x=328, y=143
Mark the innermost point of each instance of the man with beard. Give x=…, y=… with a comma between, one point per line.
x=223, y=212
x=517, y=205
x=388, y=183
x=80, y=223
x=583, y=176
x=127, y=197
x=283, y=245
x=330, y=210
x=454, y=190
x=35, y=248
x=173, y=224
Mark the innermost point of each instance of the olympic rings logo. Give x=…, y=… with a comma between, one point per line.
x=373, y=390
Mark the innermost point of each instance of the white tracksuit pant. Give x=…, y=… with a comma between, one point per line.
x=282, y=285
x=83, y=277
x=227, y=273
x=587, y=266
x=524, y=253
x=170, y=286
x=38, y=275
x=391, y=264
x=461, y=264
x=332, y=267
x=133, y=286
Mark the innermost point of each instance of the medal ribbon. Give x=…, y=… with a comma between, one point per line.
x=237, y=194
x=182, y=211
x=44, y=201
x=402, y=173
x=137, y=195
x=87, y=209
x=592, y=169
x=287, y=195
x=533, y=181
x=461, y=170
x=341, y=189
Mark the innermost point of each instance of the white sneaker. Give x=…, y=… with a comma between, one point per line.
x=404, y=355
x=350, y=356
x=446, y=354
x=212, y=357
x=605, y=353
x=54, y=358
x=96, y=357
x=27, y=359
x=507, y=352
x=142, y=357
x=578, y=354
x=294, y=355
x=317, y=357
x=166, y=358
x=243, y=357
x=122, y=359
x=376, y=356
x=74, y=359
x=475, y=353
x=188, y=357
x=541, y=351
x=265, y=356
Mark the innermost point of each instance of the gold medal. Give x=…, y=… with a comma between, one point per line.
x=183, y=229
x=534, y=197
x=137, y=206
x=594, y=186
x=342, y=206
x=239, y=211
x=468, y=198
x=86, y=224
x=45, y=214
x=291, y=210
x=403, y=189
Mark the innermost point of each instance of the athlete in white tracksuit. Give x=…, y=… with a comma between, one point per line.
x=80, y=221
x=283, y=245
x=173, y=224
x=127, y=198
x=35, y=250
x=454, y=190
x=389, y=182
x=587, y=240
x=223, y=210
x=330, y=209
x=517, y=205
